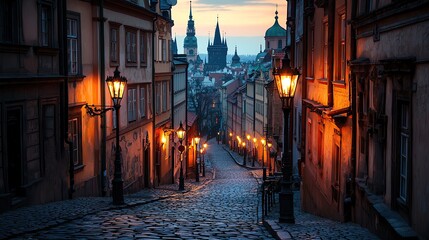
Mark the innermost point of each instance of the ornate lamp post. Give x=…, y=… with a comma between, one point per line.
x=248, y=145
x=286, y=80
x=197, y=141
x=180, y=135
x=116, y=85
x=204, y=159
x=243, y=144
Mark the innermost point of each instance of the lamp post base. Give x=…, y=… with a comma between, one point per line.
x=181, y=179
x=117, y=191
x=286, y=204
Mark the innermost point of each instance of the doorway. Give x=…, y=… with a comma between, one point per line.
x=14, y=149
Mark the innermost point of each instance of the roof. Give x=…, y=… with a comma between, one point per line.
x=191, y=118
x=276, y=30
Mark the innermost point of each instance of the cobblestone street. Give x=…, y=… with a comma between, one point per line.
x=223, y=205
x=223, y=208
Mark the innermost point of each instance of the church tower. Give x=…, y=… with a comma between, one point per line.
x=217, y=52
x=190, y=45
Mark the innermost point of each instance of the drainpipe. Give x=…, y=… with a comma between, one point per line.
x=354, y=105
x=172, y=118
x=102, y=68
x=307, y=12
x=62, y=26
x=331, y=38
x=153, y=87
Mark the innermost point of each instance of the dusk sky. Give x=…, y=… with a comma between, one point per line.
x=243, y=21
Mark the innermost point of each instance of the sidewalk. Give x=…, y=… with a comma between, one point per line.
x=39, y=217
x=307, y=226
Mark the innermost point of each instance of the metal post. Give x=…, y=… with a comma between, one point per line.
x=117, y=182
x=286, y=194
x=181, y=179
x=197, y=177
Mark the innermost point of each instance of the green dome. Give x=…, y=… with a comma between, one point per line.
x=190, y=42
x=276, y=30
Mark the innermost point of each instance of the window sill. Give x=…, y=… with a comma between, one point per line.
x=143, y=65
x=339, y=83
x=114, y=64
x=79, y=168
x=309, y=79
x=323, y=80
x=13, y=48
x=46, y=51
x=131, y=65
x=76, y=78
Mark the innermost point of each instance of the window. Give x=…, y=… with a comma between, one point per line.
x=404, y=143
x=342, y=48
x=73, y=42
x=268, y=45
x=132, y=104
x=158, y=98
x=114, y=44
x=131, y=46
x=9, y=24
x=45, y=28
x=335, y=179
x=311, y=58
x=164, y=96
x=143, y=47
x=325, y=49
x=320, y=147
x=75, y=136
x=279, y=44
x=164, y=50
x=143, y=102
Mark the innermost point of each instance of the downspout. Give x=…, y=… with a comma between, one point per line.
x=186, y=122
x=153, y=90
x=62, y=12
x=172, y=119
x=103, y=173
x=307, y=12
x=354, y=106
x=331, y=38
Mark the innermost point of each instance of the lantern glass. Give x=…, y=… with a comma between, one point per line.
x=197, y=140
x=180, y=132
x=116, y=86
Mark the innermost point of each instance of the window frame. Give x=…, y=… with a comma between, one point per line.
x=49, y=24
x=143, y=48
x=74, y=16
x=132, y=104
x=76, y=114
x=130, y=55
x=114, y=26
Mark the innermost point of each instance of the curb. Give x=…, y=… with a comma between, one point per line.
x=275, y=230
x=238, y=163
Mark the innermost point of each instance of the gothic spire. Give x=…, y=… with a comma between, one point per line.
x=190, y=10
x=217, y=39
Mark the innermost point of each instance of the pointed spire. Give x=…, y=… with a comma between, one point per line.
x=276, y=17
x=209, y=40
x=217, y=39
x=260, y=48
x=190, y=9
x=235, y=49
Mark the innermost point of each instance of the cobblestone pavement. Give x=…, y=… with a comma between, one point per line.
x=307, y=226
x=223, y=208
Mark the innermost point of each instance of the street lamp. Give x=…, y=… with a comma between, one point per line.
x=243, y=144
x=116, y=85
x=197, y=141
x=286, y=80
x=180, y=135
x=269, y=144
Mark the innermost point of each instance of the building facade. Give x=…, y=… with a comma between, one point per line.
x=33, y=129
